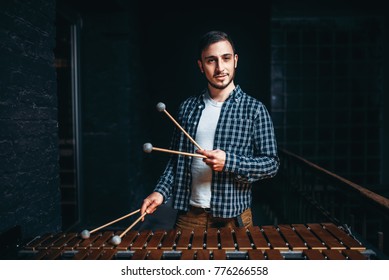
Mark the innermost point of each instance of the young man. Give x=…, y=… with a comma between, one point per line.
x=236, y=135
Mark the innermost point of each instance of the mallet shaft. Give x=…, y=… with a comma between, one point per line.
x=117, y=220
x=183, y=130
x=133, y=224
x=178, y=152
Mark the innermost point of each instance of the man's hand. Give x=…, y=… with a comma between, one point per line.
x=215, y=159
x=151, y=203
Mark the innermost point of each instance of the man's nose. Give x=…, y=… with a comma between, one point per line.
x=219, y=66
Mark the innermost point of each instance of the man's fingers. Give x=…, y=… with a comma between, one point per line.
x=151, y=203
x=152, y=207
x=148, y=206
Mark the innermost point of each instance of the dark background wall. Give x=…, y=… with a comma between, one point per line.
x=133, y=55
x=29, y=178
x=111, y=105
x=328, y=79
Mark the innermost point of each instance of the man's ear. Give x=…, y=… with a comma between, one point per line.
x=236, y=60
x=200, y=66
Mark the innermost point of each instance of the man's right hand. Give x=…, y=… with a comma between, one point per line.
x=151, y=203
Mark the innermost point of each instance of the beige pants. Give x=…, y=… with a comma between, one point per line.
x=200, y=218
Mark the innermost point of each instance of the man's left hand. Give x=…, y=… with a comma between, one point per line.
x=215, y=158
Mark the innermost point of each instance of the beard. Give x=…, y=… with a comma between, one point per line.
x=223, y=86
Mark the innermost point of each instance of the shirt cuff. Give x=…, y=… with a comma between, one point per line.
x=164, y=192
x=232, y=163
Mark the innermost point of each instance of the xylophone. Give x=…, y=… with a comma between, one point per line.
x=324, y=241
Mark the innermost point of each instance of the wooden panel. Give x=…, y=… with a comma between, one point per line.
x=272, y=254
x=292, y=238
x=226, y=239
x=313, y=254
x=333, y=254
x=81, y=254
x=258, y=239
x=94, y=254
x=202, y=254
x=212, y=239
x=309, y=238
x=345, y=238
x=126, y=240
x=188, y=254
x=255, y=255
x=73, y=243
x=141, y=240
x=219, y=254
x=86, y=243
x=155, y=239
x=198, y=238
x=155, y=254
x=53, y=254
x=184, y=238
x=326, y=237
x=62, y=242
x=48, y=254
x=169, y=241
x=140, y=254
x=47, y=243
x=108, y=254
x=103, y=240
x=354, y=254
x=242, y=239
x=275, y=239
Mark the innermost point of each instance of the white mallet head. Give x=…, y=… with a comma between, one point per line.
x=116, y=240
x=147, y=147
x=161, y=107
x=85, y=234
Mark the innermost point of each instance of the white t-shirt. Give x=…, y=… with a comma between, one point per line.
x=205, y=135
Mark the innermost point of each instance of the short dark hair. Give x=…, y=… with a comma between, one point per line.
x=212, y=37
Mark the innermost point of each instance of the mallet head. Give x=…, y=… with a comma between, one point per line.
x=85, y=234
x=116, y=240
x=147, y=147
x=161, y=107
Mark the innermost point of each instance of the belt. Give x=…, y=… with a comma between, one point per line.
x=199, y=210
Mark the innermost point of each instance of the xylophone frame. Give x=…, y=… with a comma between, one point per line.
x=324, y=241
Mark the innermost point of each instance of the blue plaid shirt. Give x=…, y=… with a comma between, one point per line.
x=245, y=132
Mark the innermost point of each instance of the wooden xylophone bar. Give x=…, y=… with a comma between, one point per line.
x=297, y=241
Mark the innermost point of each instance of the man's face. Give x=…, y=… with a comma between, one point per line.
x=218, y=63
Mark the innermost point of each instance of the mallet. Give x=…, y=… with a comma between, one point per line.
x=148, y=148
x=117, y=239
x=161, y=107
x=85, y=234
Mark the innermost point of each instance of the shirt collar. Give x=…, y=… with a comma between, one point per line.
x=235, y=95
